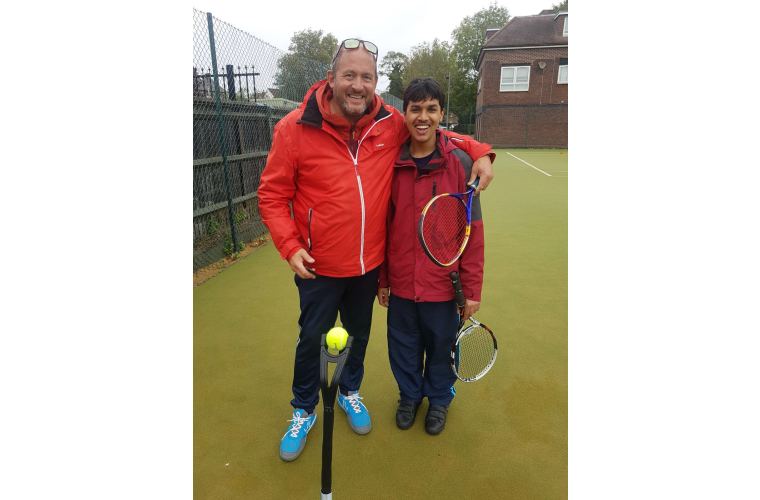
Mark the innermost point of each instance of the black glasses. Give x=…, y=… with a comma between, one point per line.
x=353, y=43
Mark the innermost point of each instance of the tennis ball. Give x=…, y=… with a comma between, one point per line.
x=336, y=338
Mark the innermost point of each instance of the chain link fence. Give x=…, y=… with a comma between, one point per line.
x=241, y=87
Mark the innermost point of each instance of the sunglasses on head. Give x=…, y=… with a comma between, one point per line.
x=353, y=43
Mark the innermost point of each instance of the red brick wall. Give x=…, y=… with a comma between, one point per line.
x=527, y=126
x=536, y=118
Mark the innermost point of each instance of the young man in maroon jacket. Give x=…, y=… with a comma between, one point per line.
x=422, y=313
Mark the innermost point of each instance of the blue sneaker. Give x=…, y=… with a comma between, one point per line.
x=294, y=440
x=358, y=416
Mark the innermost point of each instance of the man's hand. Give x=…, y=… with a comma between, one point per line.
x=484, y=169
x=383, y=296
x=300, y=263
x=470, y=308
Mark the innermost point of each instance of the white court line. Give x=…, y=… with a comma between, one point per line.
x=531, y=166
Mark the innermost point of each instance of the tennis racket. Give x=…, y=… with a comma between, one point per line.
x=444, y=226
x=328, y=402
x=474, y=351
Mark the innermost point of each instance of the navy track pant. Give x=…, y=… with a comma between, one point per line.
x=322, y=299
x=420, y=335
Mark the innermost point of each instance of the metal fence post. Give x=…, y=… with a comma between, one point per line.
x=222, y=139
x=231, y=81
x=253, y=70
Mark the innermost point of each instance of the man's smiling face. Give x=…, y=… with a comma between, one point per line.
x=353, y=82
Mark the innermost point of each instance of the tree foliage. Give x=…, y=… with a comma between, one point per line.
x=560, y=7
x=468, y=39
x=470, y=35
x=392, y=66
x=309, y=57
x=429, y=59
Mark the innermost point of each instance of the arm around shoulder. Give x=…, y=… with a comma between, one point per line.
x=482, y=155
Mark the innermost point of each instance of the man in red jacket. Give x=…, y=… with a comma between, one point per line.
x=422, y=313
x=330, y=166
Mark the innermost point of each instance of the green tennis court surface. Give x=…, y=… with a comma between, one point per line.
x=505, y=436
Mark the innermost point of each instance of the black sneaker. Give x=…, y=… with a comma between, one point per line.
x=435, y=420
x=405, y=414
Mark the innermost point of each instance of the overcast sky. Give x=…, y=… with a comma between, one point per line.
x=391, y=24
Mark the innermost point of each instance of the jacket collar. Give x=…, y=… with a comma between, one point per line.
x=313, y=113
x=438, y=160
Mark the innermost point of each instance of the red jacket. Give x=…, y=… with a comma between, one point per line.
x=408, y=272
x=338, y=181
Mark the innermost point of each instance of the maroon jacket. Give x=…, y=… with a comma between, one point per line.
x=408, y=272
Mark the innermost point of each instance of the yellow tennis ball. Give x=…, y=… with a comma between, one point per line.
x=336, y=338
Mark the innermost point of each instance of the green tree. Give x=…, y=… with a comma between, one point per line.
x=429, y=59
x=468, y=39
x=392, y=66
x=470, y=35
x=309, y=57
x=560, y=7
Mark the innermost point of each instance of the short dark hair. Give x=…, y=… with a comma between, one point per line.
x=421, y=89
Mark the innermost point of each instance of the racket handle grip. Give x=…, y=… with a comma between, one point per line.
x=458, y=293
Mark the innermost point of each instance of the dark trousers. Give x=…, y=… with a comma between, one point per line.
x=420, y=335
x=321, y=301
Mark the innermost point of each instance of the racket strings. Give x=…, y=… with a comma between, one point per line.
x=443, y=228
x=475, y=352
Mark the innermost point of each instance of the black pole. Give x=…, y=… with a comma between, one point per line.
x=327, y=431
x=240, y=83
x=253, y=70
x=247, y=89
x=231, y=81
x=448, y=97
x=222, y=140
x=329, y=392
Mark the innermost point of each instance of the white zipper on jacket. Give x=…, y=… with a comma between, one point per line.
x=361, y=190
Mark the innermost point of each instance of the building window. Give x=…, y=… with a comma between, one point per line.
x=564, y=30
x=514, y=78
x=562, y=70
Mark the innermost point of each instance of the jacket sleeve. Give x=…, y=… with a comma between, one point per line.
x=473, y=148
x=383, y=276
x=276, y=192
x=471, y=262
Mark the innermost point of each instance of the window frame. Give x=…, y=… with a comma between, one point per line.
x=559, y=75
x=514, y=79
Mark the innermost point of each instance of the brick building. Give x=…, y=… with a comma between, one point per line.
x=522, y=85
